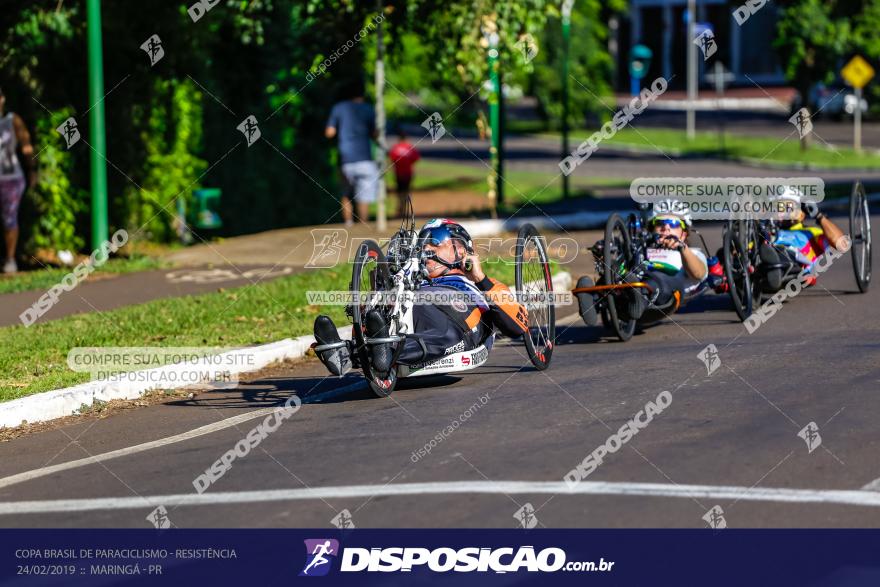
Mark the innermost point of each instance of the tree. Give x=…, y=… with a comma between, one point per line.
x=815, y=38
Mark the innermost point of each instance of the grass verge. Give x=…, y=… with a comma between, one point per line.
x=35, y=359
x=736, y=146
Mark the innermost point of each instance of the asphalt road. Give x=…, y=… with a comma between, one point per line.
x=728, y=439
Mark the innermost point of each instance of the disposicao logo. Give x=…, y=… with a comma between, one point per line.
x=320, y=553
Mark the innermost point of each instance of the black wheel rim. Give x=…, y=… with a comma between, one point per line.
x=369, y=278
x=737, y=268
x=618, y=261
x=860, y=237
x=534, y=283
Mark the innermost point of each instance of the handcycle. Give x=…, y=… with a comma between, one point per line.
x=620, y=260
x=387, y=281
x=746, y=273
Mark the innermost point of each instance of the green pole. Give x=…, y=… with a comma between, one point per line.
x=100, y=230
x=566, y=42
x=495, y=117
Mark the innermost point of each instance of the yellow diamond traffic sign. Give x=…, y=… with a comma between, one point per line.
x=857, y=72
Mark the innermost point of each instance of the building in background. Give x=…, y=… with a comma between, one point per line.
x=746, y=50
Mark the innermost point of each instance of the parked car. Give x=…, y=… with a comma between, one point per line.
x=832, y=101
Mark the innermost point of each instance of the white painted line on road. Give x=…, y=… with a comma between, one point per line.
x=195, y=433
x=713, y=492
x=872, y=486
x=201, y=431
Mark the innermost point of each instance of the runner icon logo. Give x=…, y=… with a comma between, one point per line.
x=710, y=358
x=250, y=130
x=715, y=518
x=526, y=516
x=319, y=554
x=154, y=50
x=343, y=520
x=810, y=435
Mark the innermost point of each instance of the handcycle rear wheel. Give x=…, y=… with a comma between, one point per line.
x=370, y=277
x=534, y=287
x=618, y=255
x=737, y=266
x=860, y=236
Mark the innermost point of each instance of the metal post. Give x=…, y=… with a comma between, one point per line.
x=100, y=229
x=857, y=119
x=495, y=115
x=691, y=68
x=566, y=46
x=381, y=213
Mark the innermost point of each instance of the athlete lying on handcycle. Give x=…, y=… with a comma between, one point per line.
x=796, y=246
x=480, y=305
x=669, y=267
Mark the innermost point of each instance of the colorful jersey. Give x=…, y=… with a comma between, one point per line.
x=806, y=243
x=670, y=262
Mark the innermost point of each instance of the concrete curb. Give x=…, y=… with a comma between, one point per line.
x=59, y=403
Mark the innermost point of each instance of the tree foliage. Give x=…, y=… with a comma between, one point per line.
x=171, y=127
x=815, y=38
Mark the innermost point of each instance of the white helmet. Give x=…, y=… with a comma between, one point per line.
x=669, y=207
x=792, y=194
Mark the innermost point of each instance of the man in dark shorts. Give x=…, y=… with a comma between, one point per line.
x=353, y=122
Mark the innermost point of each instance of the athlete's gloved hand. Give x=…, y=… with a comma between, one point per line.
x=473, y=270
x=669, y=242
x=811, y=209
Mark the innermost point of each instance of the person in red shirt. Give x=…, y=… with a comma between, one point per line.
x=403, y=156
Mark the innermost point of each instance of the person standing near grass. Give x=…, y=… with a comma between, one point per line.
x=13, y=135
x=403, y=156
x=353, y=121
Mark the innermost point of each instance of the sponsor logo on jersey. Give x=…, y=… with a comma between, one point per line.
x=459, y=346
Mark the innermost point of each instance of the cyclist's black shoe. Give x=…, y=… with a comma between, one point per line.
x=636, y=303
x=380, y=353
x=770, y=256
x=587, y=302
x=332, y=350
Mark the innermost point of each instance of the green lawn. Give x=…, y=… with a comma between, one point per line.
x=736, y=146
x=43, y=279
x=35, y=359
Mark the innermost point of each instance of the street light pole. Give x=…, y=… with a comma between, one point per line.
x=566, y=46
x=381, y=212
x=495, y=116
x=100, y=228
x=691, y=68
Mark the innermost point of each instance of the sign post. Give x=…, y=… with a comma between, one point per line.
x=381, y=211
x=691, y=68
x=567, y=5
x=857, y=73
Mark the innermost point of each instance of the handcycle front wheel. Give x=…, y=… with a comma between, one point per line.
x=534, y=287
x=737, y=266
x=370, y=278
x=618, y=260
x=860, y=236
